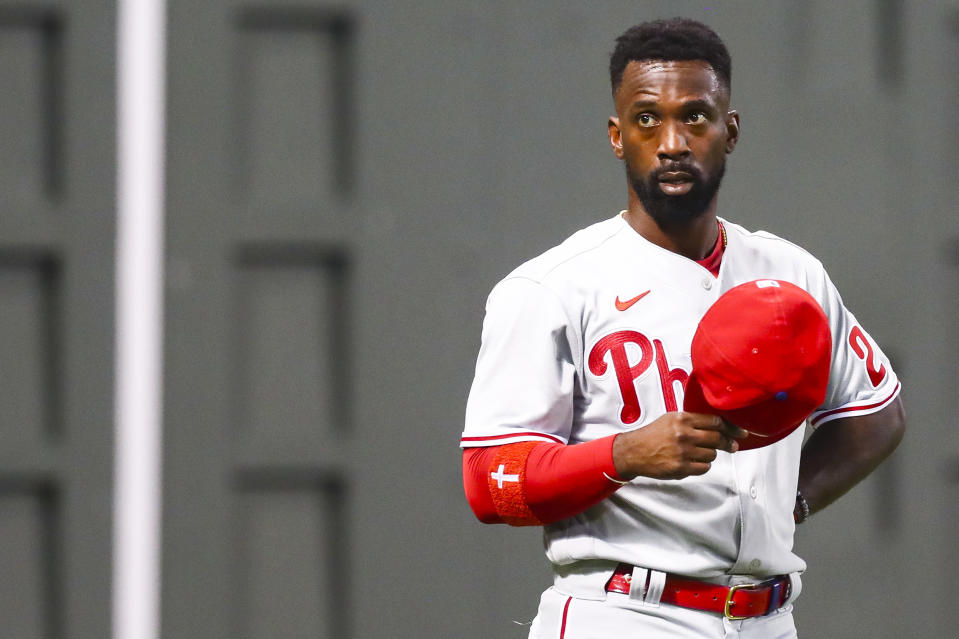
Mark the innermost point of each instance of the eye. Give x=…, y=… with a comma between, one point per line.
x=697, y=117
x=646, y=120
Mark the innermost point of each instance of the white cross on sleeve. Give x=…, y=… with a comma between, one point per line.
x=500, y=476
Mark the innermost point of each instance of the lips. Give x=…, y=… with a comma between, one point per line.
x=675, y=182
x=675, y=177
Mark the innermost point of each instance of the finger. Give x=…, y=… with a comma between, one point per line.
x=702, y=421
x=699, y=468
x=728, y=444
x=732, y=430
x=731, y=444
x=703, y=455
x=715, y=439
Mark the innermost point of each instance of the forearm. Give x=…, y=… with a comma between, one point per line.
x=534, y=483
x=843, y=452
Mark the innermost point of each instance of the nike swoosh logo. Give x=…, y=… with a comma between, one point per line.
x=622, y=306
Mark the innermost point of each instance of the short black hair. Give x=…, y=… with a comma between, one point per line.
x=672, y=39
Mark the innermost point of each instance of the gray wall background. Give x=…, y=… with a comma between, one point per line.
x=346, y=182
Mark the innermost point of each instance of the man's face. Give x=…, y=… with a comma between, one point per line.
x=673, y=130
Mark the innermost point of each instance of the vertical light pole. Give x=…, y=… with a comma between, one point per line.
x=141, y=102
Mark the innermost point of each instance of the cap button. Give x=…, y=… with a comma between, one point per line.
x=781, y=396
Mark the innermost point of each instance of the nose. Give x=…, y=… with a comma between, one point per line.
x=672, y=143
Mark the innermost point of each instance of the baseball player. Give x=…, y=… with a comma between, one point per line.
x=655, y=522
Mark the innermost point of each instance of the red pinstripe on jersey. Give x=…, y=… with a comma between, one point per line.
x=520, y=434
x=834, y=413
x=562, y=629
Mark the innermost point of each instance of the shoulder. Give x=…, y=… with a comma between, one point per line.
x=763, y=255
x=584, y=247
x=765, y=248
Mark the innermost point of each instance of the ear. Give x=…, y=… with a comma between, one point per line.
x=732, y=130
x=615, y=136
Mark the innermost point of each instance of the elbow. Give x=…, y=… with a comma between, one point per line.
x=488, y=519
x=891, y=422
x=897, y=423
x=483, y=512
x=476, y=487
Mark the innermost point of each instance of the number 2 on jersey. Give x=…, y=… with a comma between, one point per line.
x=864, y=351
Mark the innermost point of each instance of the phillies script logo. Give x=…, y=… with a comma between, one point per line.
x=613, y=347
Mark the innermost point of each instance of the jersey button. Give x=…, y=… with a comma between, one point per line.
x=753, y=492
x=755, y=563
x=707, y=283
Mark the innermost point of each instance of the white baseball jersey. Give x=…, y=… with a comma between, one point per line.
x=592, y=338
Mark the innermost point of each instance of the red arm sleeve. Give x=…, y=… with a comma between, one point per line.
x=534, y=483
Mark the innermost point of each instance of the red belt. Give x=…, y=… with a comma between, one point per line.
x=739, y=601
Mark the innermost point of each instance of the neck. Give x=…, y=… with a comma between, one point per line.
x=693, y=240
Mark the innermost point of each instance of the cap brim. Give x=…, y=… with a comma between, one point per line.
x=789, y=417
x=753, y=440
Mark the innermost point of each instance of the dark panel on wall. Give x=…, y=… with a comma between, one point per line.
x=291, y=555
x=31, y=66
x=30, y=336
x=292, y=104
x=293, y=371
x=30, y=597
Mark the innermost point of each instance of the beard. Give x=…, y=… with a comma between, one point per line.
x=672, y=212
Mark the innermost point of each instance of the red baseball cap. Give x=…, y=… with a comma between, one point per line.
x=761, y=358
